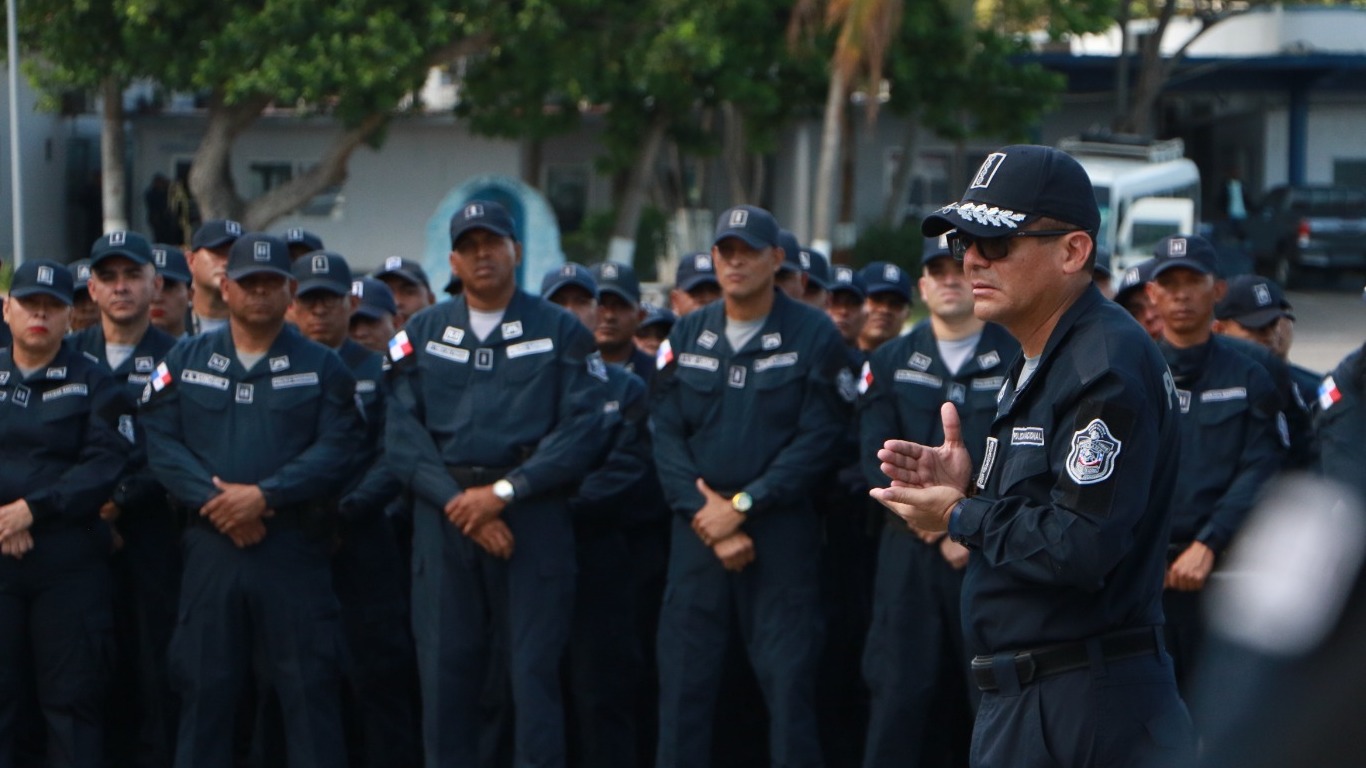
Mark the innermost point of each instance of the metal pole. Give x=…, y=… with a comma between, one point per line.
x=16, y=199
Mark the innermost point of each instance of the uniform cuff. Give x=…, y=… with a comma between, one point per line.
x=965, y=521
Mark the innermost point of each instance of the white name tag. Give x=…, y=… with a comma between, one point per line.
x=533, y=347
x=204, y=379
x=785, y=360
x=139, y=378
x=65, y=391
x=1222, y=395
x=1026, y=436
x=918, y=377
x=453, y=335
x=699, y=361
x=446, y=352
x=365, y=386
x=988, y=384
x=294, y=380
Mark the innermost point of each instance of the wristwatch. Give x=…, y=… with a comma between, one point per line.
x=503, y=490
x=742, y=502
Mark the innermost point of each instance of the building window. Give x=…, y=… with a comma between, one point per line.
x=264, y=176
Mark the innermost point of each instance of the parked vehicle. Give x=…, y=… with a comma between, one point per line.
x=1312, y=227
x=1146, y=191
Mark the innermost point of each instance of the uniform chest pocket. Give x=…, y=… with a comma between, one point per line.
x=1222, y=426
x=62, y=409
x=295, y=399
x=699, y=392
x=204, y=397
x=522, y=367
x=780, y=392
x=1020, y=464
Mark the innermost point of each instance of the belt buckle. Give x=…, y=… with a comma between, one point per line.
x=1025, y=668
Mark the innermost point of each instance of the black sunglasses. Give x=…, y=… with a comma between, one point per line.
x=996, y=248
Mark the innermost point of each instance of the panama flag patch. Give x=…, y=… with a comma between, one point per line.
x=399, y=346
x=161, y=378
x=664, y=356
x=1329, y=394
x=865, y=379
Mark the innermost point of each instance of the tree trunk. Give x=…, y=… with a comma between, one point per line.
x=622, y=249
x=896, y=196
x=210, y=179
x=330, y=171
x=113, y=172
x=733, y=153
x=822, y=206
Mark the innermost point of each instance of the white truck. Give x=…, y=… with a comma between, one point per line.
x=1145, y=190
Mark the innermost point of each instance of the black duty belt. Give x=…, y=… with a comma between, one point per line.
x=1030, y=665
x=474, y=477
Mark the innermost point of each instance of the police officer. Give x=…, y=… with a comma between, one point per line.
x=253, y=430
x=791, y=278
x=887, y=306
x=123, y=283
x=301, y=242
x=84, y=313
x=619, y=314
x=817, y=269
x=497, y=410
x=654, y=328
x=750, y=402
x=171, y=305
x=207, y=260
x=1254, y=309
x=65, y=429
x=695, y=284
x=915, y=663
x=846, y=307
x=411, y=288
x=1230, y=427
x=372, y=322
x=605, y=654
x=1341, y=422
x=1132, y=294
x=1068, y=526
x=367, y=567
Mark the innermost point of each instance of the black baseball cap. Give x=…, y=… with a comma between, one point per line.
x=816, y=266
x=215, y=233
x=885, y=277
x=170, y=263
x=750, y=223
x=935, y=248
x=258, y=252
x=322, y=271
x=693, y=270
x=296, y=237
x=130, y=245
x=43, y=276
x=405, y=268
x=619, y=279
x=1134, y=278
x=847, y=279
x=376, y=300
x=657, y=316
x=570, y=273
x=80, y=275
x=482, y=214
x=1253, y=302
x=792, y=252
x=1189, y=251
x=1016, y=186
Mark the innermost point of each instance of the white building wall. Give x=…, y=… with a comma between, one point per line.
x=42, y=167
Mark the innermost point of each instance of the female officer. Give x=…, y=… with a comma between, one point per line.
x=64, y=427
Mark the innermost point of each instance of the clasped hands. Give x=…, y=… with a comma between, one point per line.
x=475, y=511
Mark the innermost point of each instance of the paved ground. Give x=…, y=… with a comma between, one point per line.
x=1329, y=323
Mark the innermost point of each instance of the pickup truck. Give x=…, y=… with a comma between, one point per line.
x=1301, y=228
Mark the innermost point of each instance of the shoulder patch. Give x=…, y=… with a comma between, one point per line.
x=1093, y=454
x=848, y=388
x=596, y=367
x=1329, y=394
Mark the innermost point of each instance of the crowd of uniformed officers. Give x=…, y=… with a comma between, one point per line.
x=261, y=510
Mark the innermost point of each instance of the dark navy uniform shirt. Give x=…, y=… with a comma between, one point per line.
x=65, y=435
x=907, y=382
x=1070, y=524
x=641, y=365
x=1298, y=422
x=1231, y=439
x=611, y=492
x=766, y=419
x=290, y=425
x=529, y=396
x=1341, y=423
x=137, y=491
x=378, y=486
